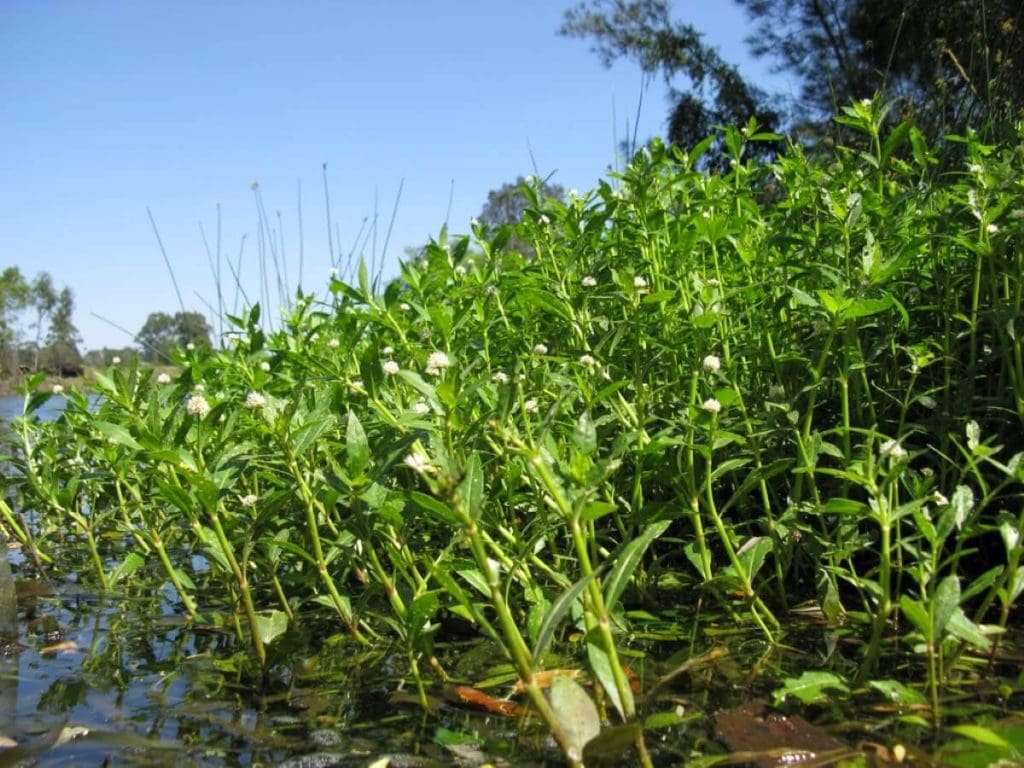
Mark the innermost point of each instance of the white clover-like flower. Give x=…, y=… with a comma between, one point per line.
x=976, y=168
x=939, y=498
x=639, y=282
x=190, y=347
x=265, y=366
x=197, y=406
x=992, y=228
x=249, y=500
x=404, y=307
x=315, y=338
x=540, y=349
x=893, y=450
x=711, y=405
x=460, y=271
x=712, y=363
x=865, y=102
x=255, y=400
x=418, y=462
x=437, y=362
x=390, y=367
x=388, y=351
x=589, y=281
x=588, y=360
x=531, y=406
x=57, y=389
x=421, y=408
x=500, y=377
x=333, y=343
x=544, y=219
x=115, y=360
x=163, y=378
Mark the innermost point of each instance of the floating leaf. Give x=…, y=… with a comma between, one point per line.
x=811, y=687
x=981, y=735
x=898, y=693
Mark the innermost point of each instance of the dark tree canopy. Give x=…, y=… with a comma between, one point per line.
x=644, y=30
x=952, y=64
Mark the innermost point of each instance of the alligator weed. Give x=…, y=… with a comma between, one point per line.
x=777, y=407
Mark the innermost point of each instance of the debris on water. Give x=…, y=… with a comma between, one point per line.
x=770, y=739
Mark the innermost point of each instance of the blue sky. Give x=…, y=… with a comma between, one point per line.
x=112, y=107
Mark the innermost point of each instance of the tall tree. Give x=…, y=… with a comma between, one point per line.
x=43, y=298
x=14, y=293
x=162, y=334
x=952, y=63
x=507, y=204
x=714, y=92
x=62, y=338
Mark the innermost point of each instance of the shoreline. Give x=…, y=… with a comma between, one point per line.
x=10, y=385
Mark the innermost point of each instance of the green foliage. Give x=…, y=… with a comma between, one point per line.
x=787, y=382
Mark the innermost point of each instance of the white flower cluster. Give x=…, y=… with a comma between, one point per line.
x=437, y=362
x=390, y=367
x=589, y=281
x=197, y=406
x=249, y=500
x=255, y=400
x=711, y=405
x=163, y=378
x=712, y=363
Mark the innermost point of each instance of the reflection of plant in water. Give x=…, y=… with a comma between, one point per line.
x=750, y=388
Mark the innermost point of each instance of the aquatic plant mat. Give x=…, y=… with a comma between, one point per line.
x=701, y=466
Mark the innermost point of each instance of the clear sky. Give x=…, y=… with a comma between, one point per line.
x=107, y=108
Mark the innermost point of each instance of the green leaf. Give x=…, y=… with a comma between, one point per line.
x=947, y=601
x=584, y=436
x=471, y=489
x=357, y=449
x=601, y=666
x=576, y=714
x=271, y=625
x=435, y=507
x=554, y=616
x=962, y=628
x=811, y=687
x=131, y=563
x=981, y=735
x=918, y=616
x=898, y=693
x=627, y=561
x=611, y=743
x=117, y=434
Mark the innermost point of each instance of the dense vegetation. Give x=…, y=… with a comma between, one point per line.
x=786, y=384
